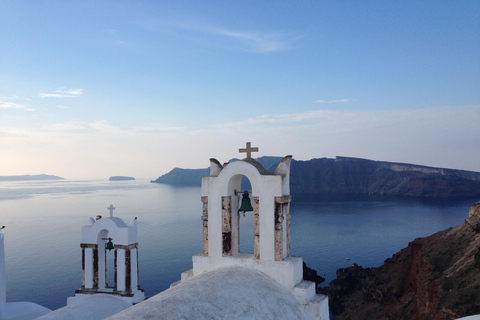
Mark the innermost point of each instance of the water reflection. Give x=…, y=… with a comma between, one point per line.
x=44, y=222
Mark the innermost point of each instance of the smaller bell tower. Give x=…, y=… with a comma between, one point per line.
x=110, y=233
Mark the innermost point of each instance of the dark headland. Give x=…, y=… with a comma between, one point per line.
x=344, y=175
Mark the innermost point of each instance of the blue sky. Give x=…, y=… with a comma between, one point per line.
x=90, y=89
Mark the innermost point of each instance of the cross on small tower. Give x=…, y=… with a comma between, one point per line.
x=111, y=208
x=249, y=150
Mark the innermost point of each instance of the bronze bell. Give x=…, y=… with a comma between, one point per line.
x=109, y=245
x=246, y=204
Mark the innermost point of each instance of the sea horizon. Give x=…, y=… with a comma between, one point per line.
x=43, y=222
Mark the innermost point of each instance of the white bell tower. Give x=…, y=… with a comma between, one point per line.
x=271, y=198
x=221, y=193
x=110, y=233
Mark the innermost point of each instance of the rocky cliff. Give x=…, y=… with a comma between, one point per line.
x=436, y=277
x=344, y=175
x=352, y=175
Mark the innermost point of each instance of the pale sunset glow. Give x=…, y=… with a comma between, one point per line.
x=94, y=89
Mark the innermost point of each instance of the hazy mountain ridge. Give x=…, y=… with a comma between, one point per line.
x=361, y=176
x=193, y=177
x=345, y=175
x=28, y=177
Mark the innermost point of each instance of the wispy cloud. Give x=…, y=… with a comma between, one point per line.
x=14, y=97
x=114, y=34
x=68, y=126
x=62, y=93
x=11, y=105
x=449, y=136
x=334, y=101
x=14, y=105
x=111, y=32
x=224, y=37
x=257, y=42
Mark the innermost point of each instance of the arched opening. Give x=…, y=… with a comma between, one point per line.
x=109, y=267
x=240, y=234
x=106, y=262
x=245, y=220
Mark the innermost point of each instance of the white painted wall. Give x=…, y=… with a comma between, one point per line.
x=15, y=310
x=116, y=227
x=3, y=279
x=266, y=187
x=133, y=268
x=120, y=269
x=88, y=268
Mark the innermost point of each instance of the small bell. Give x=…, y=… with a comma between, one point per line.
x=246, y=204
x=109, y=245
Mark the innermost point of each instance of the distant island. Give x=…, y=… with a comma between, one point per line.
x=120, y=178
x=30, y=177
x=346, y=175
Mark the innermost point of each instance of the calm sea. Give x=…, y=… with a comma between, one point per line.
x=43, y=222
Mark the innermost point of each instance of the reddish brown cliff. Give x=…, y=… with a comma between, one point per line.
x=436, y=277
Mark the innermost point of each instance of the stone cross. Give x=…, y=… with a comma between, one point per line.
x=249, y=150
x=111, y=208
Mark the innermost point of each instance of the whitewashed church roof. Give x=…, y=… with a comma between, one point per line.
x=119, y=222
x=226, y=293
x=95, y=307
x=23, y=311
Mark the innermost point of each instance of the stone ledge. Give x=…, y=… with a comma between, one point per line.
x=288, y=272
x=186, y=275
x=132, y=298
x=317, y=308
x=304, y=291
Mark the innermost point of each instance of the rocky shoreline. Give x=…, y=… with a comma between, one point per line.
x=436, y=277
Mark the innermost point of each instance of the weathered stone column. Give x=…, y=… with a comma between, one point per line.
x=256, y=228
x=289, y=217
x=205, y=225
x=131, y=273
x=126, y=268
x=83, y=267
x=128, y=272
x=282, y=236
x=238, y=230
x=227, y=225
x=95, y=268
x=134, y=268
x=89, y=266
x=278, y=232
